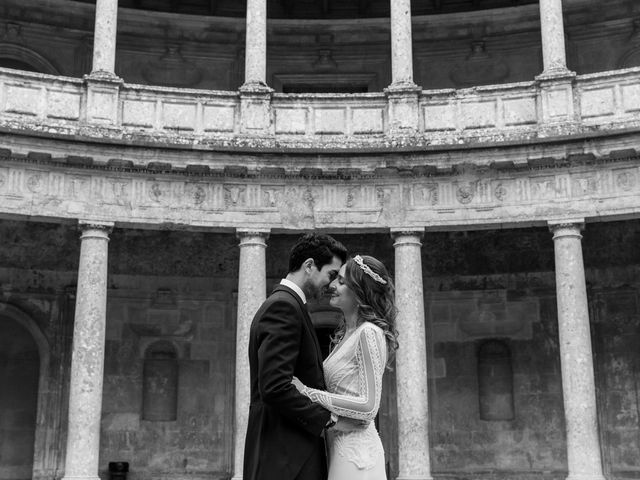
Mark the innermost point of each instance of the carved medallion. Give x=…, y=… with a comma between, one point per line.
x=465, y=192
x=626, y=181
x=155, y=192
x=197, y=194
x=500, y=192
x=35, y=183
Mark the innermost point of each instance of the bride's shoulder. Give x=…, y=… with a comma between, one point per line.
x=371, y=327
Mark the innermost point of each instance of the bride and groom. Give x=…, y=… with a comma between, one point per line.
x=300, y=407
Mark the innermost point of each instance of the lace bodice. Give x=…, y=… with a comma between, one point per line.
x=353, y=374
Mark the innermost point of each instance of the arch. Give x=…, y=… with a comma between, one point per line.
x=18, y=55
x=27, y=323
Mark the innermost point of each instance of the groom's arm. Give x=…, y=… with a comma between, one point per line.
x=279, y=333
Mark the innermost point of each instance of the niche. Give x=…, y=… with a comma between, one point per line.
x=160, y=383
x=495, y=381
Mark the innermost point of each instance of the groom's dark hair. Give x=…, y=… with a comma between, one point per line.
x=322, y=248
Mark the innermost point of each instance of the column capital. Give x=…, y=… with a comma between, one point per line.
x=252, y=236
x=91, y=228
x=406, y=236
x=566, y=228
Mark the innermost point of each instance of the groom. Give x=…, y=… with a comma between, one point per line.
x=284, y=433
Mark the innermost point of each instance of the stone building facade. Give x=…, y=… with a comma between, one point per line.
x=158, y=160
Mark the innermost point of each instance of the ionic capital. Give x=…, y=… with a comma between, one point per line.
x=252, y=236
x=95, y=229
x=407, y=236
x=566, y=227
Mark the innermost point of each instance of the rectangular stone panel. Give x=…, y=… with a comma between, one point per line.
x=439, y=117
x=367, y=120
x=138, y=113
x=598, y=102
x=519, y=111
x=330, y=120
x=65, y=105
x=291, y=120
x=23, y=99
x=218, y=118
x=630, y=97
x=478, y=114
x=557, y=102
x=179, y=116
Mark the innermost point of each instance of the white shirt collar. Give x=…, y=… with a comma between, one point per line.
x=295, y=288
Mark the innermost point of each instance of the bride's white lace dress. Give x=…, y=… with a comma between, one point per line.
x=353, y=374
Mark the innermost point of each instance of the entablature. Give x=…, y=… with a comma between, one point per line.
x=467, y=197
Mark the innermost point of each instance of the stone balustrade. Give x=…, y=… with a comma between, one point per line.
x=201, y=119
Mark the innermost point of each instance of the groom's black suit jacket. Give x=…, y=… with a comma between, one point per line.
x=284, y=426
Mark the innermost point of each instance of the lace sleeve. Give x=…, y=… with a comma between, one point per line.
x=371, y=359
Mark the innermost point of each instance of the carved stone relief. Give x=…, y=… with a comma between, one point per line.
x=300, y=203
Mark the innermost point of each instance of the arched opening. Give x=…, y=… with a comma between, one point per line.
x=22, y=58
x=19, y=377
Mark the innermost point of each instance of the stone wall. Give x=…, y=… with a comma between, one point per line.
x=177, y=288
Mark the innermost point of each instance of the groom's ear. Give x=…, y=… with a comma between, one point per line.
x=307, y=264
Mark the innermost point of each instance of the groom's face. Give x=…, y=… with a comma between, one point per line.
x=319, y=279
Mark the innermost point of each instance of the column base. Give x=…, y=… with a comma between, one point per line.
x=580, y=476
x=556, y=74
x=414, y=477
x=81, y=477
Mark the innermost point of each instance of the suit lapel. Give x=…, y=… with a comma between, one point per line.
x=306, y=319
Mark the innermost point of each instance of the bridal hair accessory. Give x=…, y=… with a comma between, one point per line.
x=367, y=269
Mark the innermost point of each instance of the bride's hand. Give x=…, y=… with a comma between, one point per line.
x=345, y=424
x=298, y=384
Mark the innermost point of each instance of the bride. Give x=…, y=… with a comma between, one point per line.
x=353, y=371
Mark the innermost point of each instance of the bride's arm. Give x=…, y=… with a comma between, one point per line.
x=371, y=356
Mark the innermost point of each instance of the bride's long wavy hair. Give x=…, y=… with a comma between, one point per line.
x=376, y=301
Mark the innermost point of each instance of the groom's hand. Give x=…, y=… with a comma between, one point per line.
x=345, y=424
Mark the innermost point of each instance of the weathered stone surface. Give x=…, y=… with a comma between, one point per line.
x=252, y=291
x=576, y=357
x=489, y=115
x=87, y=361
x=456, y=195
x=413, y=411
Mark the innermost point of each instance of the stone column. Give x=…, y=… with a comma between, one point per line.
x=104, y=41
x=554, y=56
x=402, y=94
x=411, y=360
x=87, y=360
x=578, y=384
x=252, y=291
x=255, y=72
x=401, y=47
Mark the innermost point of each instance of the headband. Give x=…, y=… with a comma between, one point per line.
x=367, y=269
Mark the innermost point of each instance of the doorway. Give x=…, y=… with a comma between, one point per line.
x=19, y=376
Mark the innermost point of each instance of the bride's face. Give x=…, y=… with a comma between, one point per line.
x=342, y=296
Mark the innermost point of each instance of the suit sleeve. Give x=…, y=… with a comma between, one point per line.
x=279, y=333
